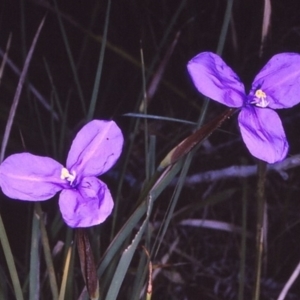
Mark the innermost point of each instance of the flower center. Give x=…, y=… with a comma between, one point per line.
x=260, y=99
x=65, y=174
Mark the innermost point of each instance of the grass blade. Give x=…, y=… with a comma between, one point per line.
x=71, y=59
x=18, y=92
x=100, y=65
x=47, y=252
x=34, y=274
x=10, y=262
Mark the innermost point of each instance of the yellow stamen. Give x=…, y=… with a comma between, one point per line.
x=260, y=94
x=262, y=99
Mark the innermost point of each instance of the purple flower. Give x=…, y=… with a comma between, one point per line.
x=276, y=86
x=84, y=199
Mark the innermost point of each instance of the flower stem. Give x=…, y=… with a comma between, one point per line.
x=260, y=226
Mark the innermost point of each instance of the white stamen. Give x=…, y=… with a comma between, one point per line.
x=65, y=174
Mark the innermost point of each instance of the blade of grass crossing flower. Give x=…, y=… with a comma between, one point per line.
x=34, y=273
x=71, y=59
x=47, y=252
x=100, y=65
x=18, y=92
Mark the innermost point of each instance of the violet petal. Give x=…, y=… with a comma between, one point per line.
x=280, y=80
x=263, y=134
x=87, y=205
x=95, y=149
x=25, y=176
x=214, y=79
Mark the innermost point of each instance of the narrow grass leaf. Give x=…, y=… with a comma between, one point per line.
x=242, y=271
x=146, y=140
x=100, y=65
x=40, y=98
x=261, y=202
x=140, y=276
x=163, y=181
x=127, y=256
x=54, y=91
x=265, y=24
x=289, y=283
x=152, y=155
x=65, y=275
x=71, y=59
x=160, y=118
x=157, y=77
x=18, y=92
x=225, y=26
x=198, y=136
x=10, y=262
x=210, y=201
x=3, y=284
x=3, y=236
x=34, y=273
x=5, y=56
x=47, y=252
x=173, y=202
x=219, y=51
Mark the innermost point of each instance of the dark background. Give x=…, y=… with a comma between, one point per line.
x=136, y=25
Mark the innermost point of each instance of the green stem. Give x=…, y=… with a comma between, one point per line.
x=262, y=167
x=10, y=262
